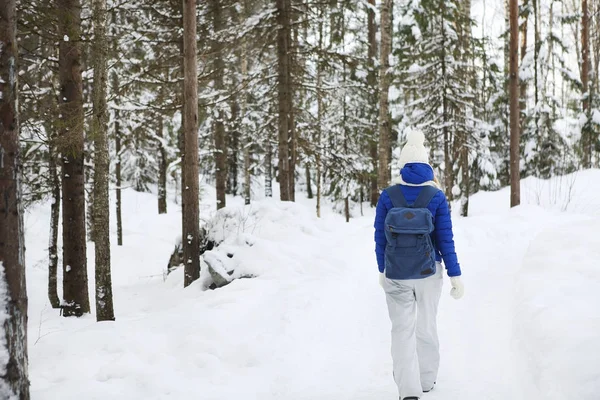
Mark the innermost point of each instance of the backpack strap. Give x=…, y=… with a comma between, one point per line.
x=397, y=197
x=427, y=194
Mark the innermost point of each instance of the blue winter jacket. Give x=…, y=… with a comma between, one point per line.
x=442, y=236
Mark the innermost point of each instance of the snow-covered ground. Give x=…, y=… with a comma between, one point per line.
x=313, y=324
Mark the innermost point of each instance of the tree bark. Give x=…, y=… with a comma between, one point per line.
x=13, y=300
x=536, y=67
x=447, y=134
x=523, y=83
x=117, y=128
x=383, y=167
x=585, y=76
x=320, y=111
x=269, y=168
x=247, y=140
x=54, y=224
x=191, y=217
x=219, y=126
x=233, y=146
x=119, y=206
x=284, y=93
x=71, y=145
x=372, y=85
x=515, y=175
x=469, y=74
x=104, y=296
x=162, y=167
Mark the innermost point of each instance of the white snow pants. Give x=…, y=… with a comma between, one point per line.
x=413, y=305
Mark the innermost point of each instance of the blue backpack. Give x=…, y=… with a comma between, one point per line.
x=409, y=253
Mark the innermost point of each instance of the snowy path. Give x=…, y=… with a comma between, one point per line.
x=314, y=326
x=475, y=332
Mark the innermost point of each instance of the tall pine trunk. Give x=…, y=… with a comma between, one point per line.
x=117, y=133
x=14, y=381
x=536, y=69
x=233, y=145
x=515, y=174
x=162, y=166
x=269, y=167
x=284, y=94
x=54, y=224
x=469, y=79
x=383, y=168
x=247, y=140
x=320, y=111
x=235, y=104
x=588, y=142
x=372, y=85
x=119, y=181
x=71, y=146
x=523, y=83
x=190, y=196
x=104, y=297
x=447, y=134
x=219, y=125
x=162, y=158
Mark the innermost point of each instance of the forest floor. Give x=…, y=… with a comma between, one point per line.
x=313, y=324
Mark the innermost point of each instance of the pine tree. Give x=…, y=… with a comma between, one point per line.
x=104, y=297
x=191, y=212
x=14, y=382
x=286, y=165
x=438, y=83
x=71, y=147
x=515, y=183
x=383, y=165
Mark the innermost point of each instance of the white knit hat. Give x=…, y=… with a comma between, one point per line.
x=414, y=150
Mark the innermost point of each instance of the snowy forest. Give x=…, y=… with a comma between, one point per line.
x=202, y=104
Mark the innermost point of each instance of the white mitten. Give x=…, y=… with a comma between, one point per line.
x=381, y=279
x=458, y=289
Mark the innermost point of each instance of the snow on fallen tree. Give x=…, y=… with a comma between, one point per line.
x=263, y=239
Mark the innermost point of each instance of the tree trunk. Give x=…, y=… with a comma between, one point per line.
x=233, y=145
x=588, y=142
x=269, y=168
x=117, y=128
x=104, y=297
x=515, y=174
x=383, y=167
x=523, y=83
x=320, y=111
x=536, y=69
x=191, y=218
x=71, y=145
x=54, y=221
x=465, y=180
x=469, y=74
x=247, y=139
x=309, y=191
x=284, y=91
x=162, y=167
x=595, y=78
x=372, y=85
x=552, y=62
x=14, y=380
x=447, y=134
x=219, y=126
x=118, y=179
x=347, y=208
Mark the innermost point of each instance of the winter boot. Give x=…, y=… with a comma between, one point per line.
x=429, y=390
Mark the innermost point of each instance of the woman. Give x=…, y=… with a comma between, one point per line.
x=413, y=303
